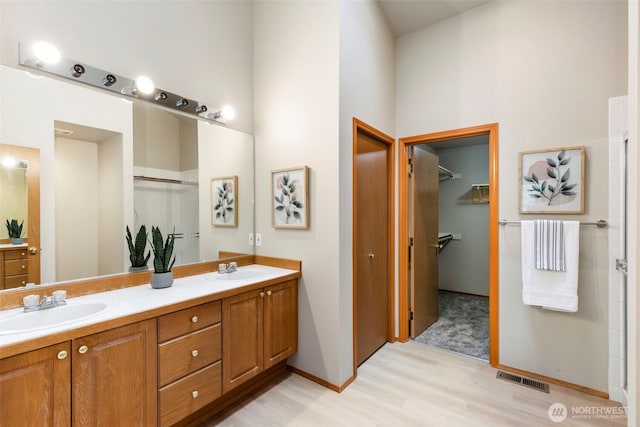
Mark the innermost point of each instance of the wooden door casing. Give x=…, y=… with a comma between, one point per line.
x=424, y=253
x=114, y=381
x=35, y=388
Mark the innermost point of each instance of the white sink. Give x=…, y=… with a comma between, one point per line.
x=242, y=273
x=49, y=318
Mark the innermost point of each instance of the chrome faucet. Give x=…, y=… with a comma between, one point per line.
x=227, y=268
x=32, y=303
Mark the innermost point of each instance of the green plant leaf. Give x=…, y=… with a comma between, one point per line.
x=551, y=162
x=566, y=175
x=561, y=155
x=565, y=161
x=551, y=173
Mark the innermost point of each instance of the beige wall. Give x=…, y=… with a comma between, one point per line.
x=544, y=71
x=13, y=193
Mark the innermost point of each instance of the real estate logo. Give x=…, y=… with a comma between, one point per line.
x=557, y=412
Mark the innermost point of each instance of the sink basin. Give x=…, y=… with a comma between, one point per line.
x=49, y=318
x=243, y=273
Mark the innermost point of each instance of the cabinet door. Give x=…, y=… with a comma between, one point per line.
x=242, y=339
x=35, y=388
x=114, y=378
x=280, y=322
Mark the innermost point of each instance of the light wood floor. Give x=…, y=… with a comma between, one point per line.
x=412, y=384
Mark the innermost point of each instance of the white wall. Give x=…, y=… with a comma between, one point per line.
x=198, y=49
x=296, y=123
x=367, y=91
x=544, y=71
x=460, y=216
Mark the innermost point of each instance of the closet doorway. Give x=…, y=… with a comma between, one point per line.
x=421, y=233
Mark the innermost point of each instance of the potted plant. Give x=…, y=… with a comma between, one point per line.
x=162, y=277
x=136, y=249
x=15, y=231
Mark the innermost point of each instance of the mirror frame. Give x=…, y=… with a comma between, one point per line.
x=32, y=156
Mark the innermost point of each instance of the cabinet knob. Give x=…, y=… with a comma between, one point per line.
x=24, y=266
x=83, y=349
x=62, y=354
x=261, y=294
x=268, y=293
x=194, y=319
x=23, y=254
x=194, y=393
x=194, y=353
x=24, y=282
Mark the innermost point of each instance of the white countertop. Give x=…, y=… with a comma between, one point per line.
x=12, y=246
x=138, y=299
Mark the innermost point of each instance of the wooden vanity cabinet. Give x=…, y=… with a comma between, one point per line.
x=189, y=353
x=35, y=388
x=260, y=329
x=114, y=377
x=15, y=268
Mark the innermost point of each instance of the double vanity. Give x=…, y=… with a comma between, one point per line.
x=133, y=355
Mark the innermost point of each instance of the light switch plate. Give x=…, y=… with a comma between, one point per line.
x=258, y=239
x=250, y=239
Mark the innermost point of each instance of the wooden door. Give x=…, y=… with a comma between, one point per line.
x=114, y=381
x=280, y=322
x=424, y=254
x=242, y=338
x=372, y=242
x=35, y=388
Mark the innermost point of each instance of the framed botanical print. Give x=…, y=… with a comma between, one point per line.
x=224, y=201
x=289, y=198
x=552, y=181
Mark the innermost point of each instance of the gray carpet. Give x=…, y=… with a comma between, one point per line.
x=463, y=326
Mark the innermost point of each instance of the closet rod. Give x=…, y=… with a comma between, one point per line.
x=601, y=223
x=165, y=180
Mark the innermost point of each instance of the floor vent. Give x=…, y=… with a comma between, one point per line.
x=527, y=382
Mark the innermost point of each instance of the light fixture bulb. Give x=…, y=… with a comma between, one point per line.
x=201, y=109
x=228, y=113
x=160, y=96
x=144, y=85
x=9, y=162
x=46, y=52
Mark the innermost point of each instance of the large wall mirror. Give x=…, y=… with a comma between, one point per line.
x=107, y=163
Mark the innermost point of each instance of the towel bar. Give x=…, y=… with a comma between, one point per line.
x=601, y=223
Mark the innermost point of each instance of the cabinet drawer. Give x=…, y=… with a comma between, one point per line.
x=188, y=320
x=15, y=254
x=189, y=394
x=188, y=353
x=15, y=281
x=15, y=268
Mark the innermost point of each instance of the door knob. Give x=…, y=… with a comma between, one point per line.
x=370, y=255
x=33, y=250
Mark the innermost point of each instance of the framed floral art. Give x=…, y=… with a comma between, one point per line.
x=289, y=198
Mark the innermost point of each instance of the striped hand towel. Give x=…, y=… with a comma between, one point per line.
x=549, y=245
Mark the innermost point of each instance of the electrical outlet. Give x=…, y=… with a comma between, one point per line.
x=250, y=239
x=258, y=239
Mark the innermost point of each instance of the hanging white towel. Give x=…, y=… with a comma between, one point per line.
x=549, y=244
x=554, y=290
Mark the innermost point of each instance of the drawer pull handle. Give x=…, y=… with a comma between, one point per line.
x=194, y=393
x=194, y=353
x=194, y=319
x=83, y=349
x=269, y=293
x=62, y=354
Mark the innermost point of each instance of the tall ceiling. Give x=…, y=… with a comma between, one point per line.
x=407, y=16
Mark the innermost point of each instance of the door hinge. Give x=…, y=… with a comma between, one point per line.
x=410, y=168
x=410, y=315
x=410, y=241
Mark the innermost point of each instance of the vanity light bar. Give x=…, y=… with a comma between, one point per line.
x=86, y=74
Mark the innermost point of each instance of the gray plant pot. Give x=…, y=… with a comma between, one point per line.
x=136, y=269
x=161, y=280
x=17, y=241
